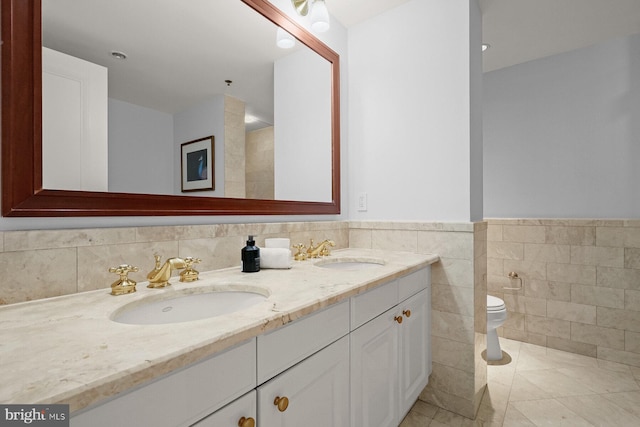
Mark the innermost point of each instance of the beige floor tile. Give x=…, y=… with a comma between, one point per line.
x=424, y=408
x=599, y=411
x=551, y=382
x=414, y=419
x=449, y=419
x=523, y=389
x=550, y=412
x=547, y=387
x=533, y=357
x=601, y=380
x=630, y=401
x=501, y=375
x=514, y=418
x=617, y=367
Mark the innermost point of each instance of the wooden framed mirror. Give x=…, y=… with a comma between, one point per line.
x=23, y=194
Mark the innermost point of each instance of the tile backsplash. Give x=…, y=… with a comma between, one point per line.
x=47, y=263
x=581, y=282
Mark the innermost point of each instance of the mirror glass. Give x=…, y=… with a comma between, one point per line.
x=126, y=83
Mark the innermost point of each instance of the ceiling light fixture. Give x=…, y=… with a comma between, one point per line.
x=485, y=46
x=118, y=55
x=317, y=11
x=284, y=40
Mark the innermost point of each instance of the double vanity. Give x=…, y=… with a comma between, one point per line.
x=344, y=341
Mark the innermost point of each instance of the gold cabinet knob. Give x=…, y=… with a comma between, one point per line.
x=407, y=313
x=246, y=422
x=398, y=319
x=282, y=403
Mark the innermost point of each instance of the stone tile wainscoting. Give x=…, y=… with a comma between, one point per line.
x=581, y=288
x=458, y=316
x=47, y=263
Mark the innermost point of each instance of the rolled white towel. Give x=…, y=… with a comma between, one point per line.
x=275, y=258
x=277, y=242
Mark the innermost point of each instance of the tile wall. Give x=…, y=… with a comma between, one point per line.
x=581, y=288
x=458, y=296
x=47, y=263
x=234, y=148
x=259, y=165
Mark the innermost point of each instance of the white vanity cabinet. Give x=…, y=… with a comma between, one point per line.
x=390, y=352
x=182, y=397
x=313, y=393
x=303, y=369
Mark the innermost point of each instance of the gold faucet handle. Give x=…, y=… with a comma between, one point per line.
x=325, y=249
x=189, y=274
x=301, y=255
x=123, y=285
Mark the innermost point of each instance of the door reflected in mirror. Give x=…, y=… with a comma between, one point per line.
x=125, y=83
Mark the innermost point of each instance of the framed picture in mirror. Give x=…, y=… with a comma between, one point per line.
x=197, y=165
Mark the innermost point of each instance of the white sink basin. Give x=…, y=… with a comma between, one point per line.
x=350, y=263
x=184, y=307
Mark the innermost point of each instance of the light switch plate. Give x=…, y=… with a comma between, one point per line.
x=362, y=202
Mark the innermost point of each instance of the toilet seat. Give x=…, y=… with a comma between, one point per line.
x=495, y=304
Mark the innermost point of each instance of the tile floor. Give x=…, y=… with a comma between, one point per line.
x=538, y=386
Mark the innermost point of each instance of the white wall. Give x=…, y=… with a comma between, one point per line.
x=302, y=116
x=199, y=122
x=409, y=114
x=141, y=152
x=562, y=135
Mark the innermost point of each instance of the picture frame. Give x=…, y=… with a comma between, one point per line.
x=197, y=165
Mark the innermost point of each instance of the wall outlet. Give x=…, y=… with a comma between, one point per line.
x=362, y=202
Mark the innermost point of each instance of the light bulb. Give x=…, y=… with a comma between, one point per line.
x=284, y=40
x=319, y=16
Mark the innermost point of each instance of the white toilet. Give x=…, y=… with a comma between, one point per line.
x=496, y=315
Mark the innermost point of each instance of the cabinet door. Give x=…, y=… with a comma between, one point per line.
x=317, y=390
x=374, y=372
x=230, y=415
x=415, y=361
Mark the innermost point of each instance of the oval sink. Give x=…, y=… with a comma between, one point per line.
x=187, y=307
x=350, y=263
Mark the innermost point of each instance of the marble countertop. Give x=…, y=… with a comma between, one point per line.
x=68, y=350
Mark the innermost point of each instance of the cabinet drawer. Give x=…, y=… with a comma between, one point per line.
x=230, y=415
x=372, y=303
x=182, y=397
x=414, y=283
x=284, y=347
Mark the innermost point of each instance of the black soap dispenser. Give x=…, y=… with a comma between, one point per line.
x=251, y=257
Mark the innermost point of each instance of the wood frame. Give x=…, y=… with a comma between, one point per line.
x=22, y=192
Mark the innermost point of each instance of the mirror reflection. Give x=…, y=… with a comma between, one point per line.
x=125, y=84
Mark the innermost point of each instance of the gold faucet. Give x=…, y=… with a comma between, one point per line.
x=160, y=275
x=322, y=249
x=190, y=274
x=124, y=285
